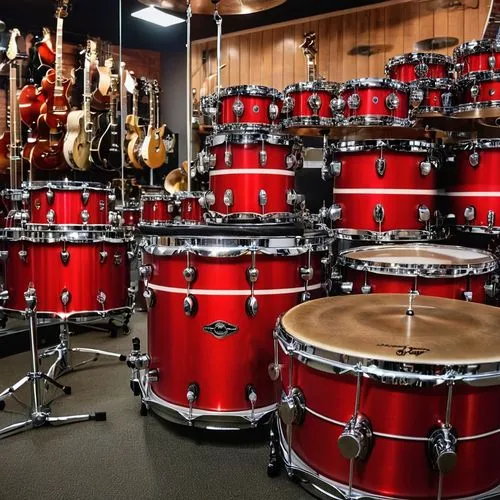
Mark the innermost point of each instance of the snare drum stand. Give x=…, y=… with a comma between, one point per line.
x=39, y=414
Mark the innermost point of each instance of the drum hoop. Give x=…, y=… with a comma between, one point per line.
x=409, y=146
x=365, y=83
x=382, y=120
x=12, y=194
x=317, y=85
x=477, y=105
x=433, y=83
x=309, y=121
x=476, y=47
x=387, y=236
x=394, y=374
x=479, y=230
x=250, y=90
x=65, y=186
x=418, y=57
x=471, y=144
x=257, y=128
x=477, y=76
x=157, y=197
x=424, y=270
x=184, y=195
x=128, y=209
x=251, y=138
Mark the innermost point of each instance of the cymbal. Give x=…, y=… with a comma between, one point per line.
x=176, y=181
x=376, y=326
x=225, y=7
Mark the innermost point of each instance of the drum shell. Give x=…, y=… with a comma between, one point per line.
x=130, y=216
x=489, y=90
x=190, y=209
x=302, y=108
x=396, y=468
x=158, y=209
x=473, y=57
x=84, y=275
x=184, y=353
x=256, y=110
x=405, y=72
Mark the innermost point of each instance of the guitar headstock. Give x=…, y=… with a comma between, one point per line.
x=308, y=46
x=12, y=49
x=91, y=51
x=62, y=8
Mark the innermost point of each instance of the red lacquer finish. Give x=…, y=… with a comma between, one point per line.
x=130, y=216
x=488, y=89
x=437, y=95
x=414, y=66
x=55, y=106
x=158, y=208
x=476, y=56
x=30, y=101
x=190, y=209
x=68, y=203
x=397, y=468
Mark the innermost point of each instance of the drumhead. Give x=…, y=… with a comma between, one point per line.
x=365, y=83
x=376, y=327
x=434, y=261
x=65, y=185
x=250, y=90
x=476, y=47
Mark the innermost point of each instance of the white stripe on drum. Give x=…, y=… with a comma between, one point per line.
x=277, y=291
x=252, y=171
x=478, y=194
x=430, y=192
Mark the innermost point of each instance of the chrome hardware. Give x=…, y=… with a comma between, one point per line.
x=392, y=101
x=262, y=157
x=291, y=161
x=117, y=259
x=411, y=298
x=228, y=198
x=130, y=254
x=378, y=213
x=50, y=196
x=424, y=214
x=474, y=159
x=304, y=297
x=139, y=362
x=447, y=100
x=366, y=289
x=189, y=274
x=193, y=393
x=113, y=218
x=314, y=102
x=335, y=213
x=492, y=62
x=273, y=111
x=323, y=213
x=251, y=306
x=238, y=108
x=474, y=91
x=112, y=198
x=262, y=198
x=346, y=287
x=65, y=297
x=380, y=165
x=490, y=289
x=228, y=158
x=23, y=255
x=337, y=105
x=425, y=167
x=4, y=296
x=64, y=256
x=470, y=213
x=220, y=329
x=101, y=297
x=153, y=376
x=85, y=197
x=251, y=395
x=149, y=297
x=292, y=407
x=274, y=371
x=145, y=272
x=421, y=70
x=212, y=160
x=190, y=305
x=252, y=275
x=468, y=296
x=25, y=196
x=207, y=200
x=4, y=255
x=354, y=101
x=85, y=216
x=295, y=199
x=356, y=439
x=443, y=449
x=51, y=216
x=306, y=273
x=102, y=205
x=416, y=97
x=288, y=104
x=490, y=218
x=103, y=255
x=459, y=67
x=335, y=168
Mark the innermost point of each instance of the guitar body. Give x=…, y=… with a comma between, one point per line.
x=76, y=148
x=30, y=103
x=133, y=137
x=46, y=53
x=100, y=97
x=153, y=149
x=4, y=152
x=133, y=148
x=55, y=107
x=109, y=152
x=47, y=152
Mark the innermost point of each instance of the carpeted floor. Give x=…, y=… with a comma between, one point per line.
x=128, y=456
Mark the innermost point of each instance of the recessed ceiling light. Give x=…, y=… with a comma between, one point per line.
x=155, y=16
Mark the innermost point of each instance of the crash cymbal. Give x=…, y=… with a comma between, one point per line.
x=376, y=326
x=176, y=181
x=225, y=7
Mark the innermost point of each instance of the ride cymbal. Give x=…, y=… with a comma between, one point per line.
x=225, y=7
x=176, y=181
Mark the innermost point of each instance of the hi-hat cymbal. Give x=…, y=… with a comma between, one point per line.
x=176, y=181
x=376, y=326
x=225, y=7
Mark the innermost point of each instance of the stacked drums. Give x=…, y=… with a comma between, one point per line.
x=59, y=242
x=221, y=265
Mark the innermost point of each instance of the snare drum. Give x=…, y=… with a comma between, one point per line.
x=76, y=271
x=478, y=55
x=419, y=65
x=253, y=106
x=309, y=104
x=254, y=173
x=478, y=93
x=158, y=207
x=439, y=270
x=375, y=101
x=68, y=202
x=130, y=215
x=430, y=96
x=212, y=306
x=384, y=186
x=379, y=404
x=191, y=211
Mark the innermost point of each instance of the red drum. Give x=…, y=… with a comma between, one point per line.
x=254, y=173
x=309, y=104
x=254, y=106
x=379, y=404
x=375, y=101
x=68, y=202
x=158, y=207
x=432, y=96
x=213, y=305
x=384, y=185
x=191, y=211
x=473, y=192
x=478, y=55
x=76, y=271
x=439, y=270
x=130, y=215
x=478, y=92
x=419, y=65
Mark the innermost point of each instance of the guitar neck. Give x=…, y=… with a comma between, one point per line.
x=58, y=89
x=157, y=110
x=152, y=117
x=15, y=130
x=311, y=69
x=87, y=96
x=135, y=103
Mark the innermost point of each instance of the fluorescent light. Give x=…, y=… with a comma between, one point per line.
x=153, y=15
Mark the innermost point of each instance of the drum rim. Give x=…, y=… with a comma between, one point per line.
x=478, y=76
x=157, y=197
x=476, y=47
x=184, y=195
x=417, y=235
x=433, y=83
x=364, y=83
x=382, y=120
x=422, y=270
x=247, y=127
x=412, y=57
x=251, y=138
x=270, y=217
x=136, y=208
x=318, y=85
x=311, y=121
x=250, y=90
x=65, y=185
x=484, y=143
x=416, y=146
x=473, y=106
x=478, y=230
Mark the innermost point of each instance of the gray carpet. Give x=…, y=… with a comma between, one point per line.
x=128, y=456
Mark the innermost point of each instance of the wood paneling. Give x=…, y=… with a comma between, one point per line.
x=272, y=56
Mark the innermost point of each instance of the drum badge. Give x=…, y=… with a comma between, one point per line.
x=220, y=329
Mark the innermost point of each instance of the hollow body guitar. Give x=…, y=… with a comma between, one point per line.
x=135, y=134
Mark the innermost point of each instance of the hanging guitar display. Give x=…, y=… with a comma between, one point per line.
x=42, y=56
x=135, y=133
x=100, y=97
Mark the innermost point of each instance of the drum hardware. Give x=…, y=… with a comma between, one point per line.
x=228, y=157
x=355, y=441
x=263, y=156
x=64, y=254
x=238, y=108
x=117, y=259
x=193, y=393
x=490, y=219
x=314, y=102
x=23, y=255
x=421, y=70
x=381, y=164
x=470, y=213
x=392, y=102
x=207, y=200
x=337, y=105
x=50, y=196
x=251, y=395
x=335, y=212
x=292, y=407
x=51, y=216
x=296, y=200
x=379, y=214
x=228, y=198
x=251, y=304
x=263, y=199
x=39, y=413
x=411, y=297
x=354, y=101
x=190, y=304
x=474, y=159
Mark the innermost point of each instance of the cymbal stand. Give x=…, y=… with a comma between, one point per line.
x=189, y=96
x=218, y=22
x=39, y=414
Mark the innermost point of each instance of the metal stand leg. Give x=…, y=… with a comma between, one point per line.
x=273, y=466
x=39, y=414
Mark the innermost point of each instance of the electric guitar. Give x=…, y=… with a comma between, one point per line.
x=42, y=57
x=100, y=97
x=309, y=49
x=135, y=133
x=80, y=126
x=152, y=151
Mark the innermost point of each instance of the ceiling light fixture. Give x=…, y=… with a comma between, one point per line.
x=155, y=16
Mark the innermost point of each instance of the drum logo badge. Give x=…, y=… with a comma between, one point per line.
x=220, y=329
x=405, y=350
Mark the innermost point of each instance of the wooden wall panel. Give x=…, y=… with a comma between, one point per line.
x=272, y=56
